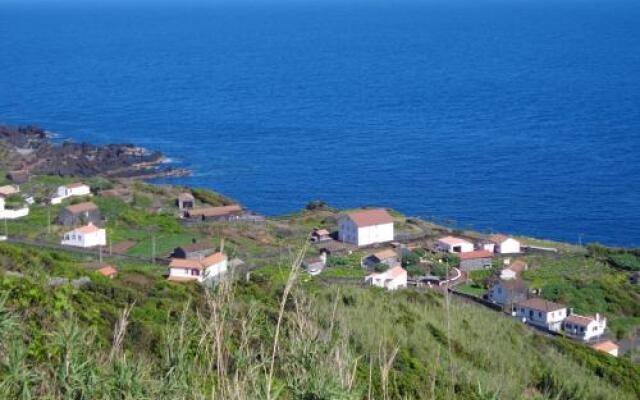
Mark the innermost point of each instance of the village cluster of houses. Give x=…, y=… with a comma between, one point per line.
x=376, y=226
x=202, y=263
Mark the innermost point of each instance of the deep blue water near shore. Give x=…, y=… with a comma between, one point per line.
x=516, y=116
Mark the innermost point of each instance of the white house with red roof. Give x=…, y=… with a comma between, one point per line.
x=585, y=327
x=71, y=190
x=502, y=244
x=452, y=244
x=391, y=279
x=86, y=236
x=542, y=313
x=200, y=270
x=367, y=227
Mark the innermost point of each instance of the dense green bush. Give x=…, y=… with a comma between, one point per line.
x=628, y=261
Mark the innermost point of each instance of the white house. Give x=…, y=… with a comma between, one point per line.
x=392, y=279
x=8, y=190
x=542, y=313
x=11, y=213
x=86, y=236
x=452, y=244
x=200, y=270
x=186, y=200
x=513, y=270
x=366, y=227
x=70, y=190
x=585, y=327
x=607, y=346
x=503, y=244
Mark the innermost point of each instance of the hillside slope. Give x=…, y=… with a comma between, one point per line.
x=139, y=337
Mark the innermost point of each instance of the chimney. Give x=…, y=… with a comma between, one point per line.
x=571, y=311
x=598, y=317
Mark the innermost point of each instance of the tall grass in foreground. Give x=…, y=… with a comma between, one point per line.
x=253, y=341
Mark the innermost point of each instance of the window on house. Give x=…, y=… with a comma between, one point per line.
x=540, y=314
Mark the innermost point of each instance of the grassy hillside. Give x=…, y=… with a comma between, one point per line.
x=139, y=337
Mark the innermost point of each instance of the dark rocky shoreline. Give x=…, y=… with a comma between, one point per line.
x=30, y=149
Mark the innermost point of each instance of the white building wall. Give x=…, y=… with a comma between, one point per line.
x=76, y=239
x=216, y=269
x=592, y=330
x=64, y=192
x=509, y=246
x=374, y=234
x=14, y=214
x=507, y=274
x=548, y=320
x=183, y=273
x=465, y=247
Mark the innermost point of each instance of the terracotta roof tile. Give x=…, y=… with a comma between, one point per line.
x=518, y=266
x=453, y=241
x=472, y=255
x=87, y=229
x=606, y=346
x=580, y=319
x=81, y=207
x=74, y=185
x=370, y=217
x=197, y=264
x=385, y=254
x=541, y=305
x=186, y=196
x=497, y=239
x=108, y=271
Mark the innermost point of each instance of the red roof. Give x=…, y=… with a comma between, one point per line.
x=392, y=273
x=108, y=271
x=75, y=185
x=579, y=320
x=186, y=196
x=497, y=239
x=472, y=255
x=606, y=346
x=370, y=217
x=541, y=305
x=453, y=241
x=87, y=229
x=518, y=266
x=81, y=207
x=196, y=263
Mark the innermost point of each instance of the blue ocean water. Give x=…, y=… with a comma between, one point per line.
x=517, y=116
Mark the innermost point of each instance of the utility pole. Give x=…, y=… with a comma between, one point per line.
x=153, y=248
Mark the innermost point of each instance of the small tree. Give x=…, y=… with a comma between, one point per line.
x=316, y=205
